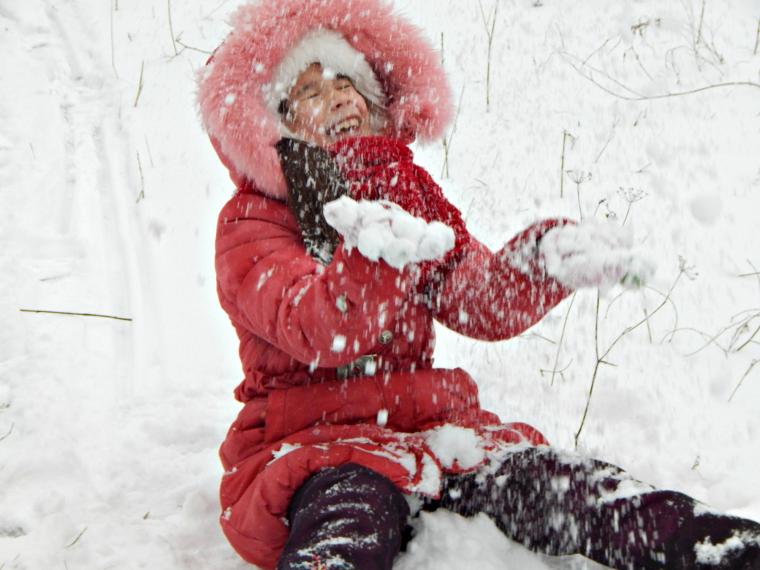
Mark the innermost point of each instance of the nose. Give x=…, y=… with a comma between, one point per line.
x=338, y=97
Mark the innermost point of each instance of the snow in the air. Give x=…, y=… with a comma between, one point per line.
x=646, y=114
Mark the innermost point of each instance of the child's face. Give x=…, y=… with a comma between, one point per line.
x=324, y=109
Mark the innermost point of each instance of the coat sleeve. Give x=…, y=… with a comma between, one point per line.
x=268, y=284
x=495, y=296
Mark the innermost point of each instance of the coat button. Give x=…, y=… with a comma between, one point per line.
x=385, y=337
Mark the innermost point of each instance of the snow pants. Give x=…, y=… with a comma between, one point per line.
x=353, y=518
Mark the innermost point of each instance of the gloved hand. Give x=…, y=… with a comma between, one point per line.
x=383, y=230
x=594, y=254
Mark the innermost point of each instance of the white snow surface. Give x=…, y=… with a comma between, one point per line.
x=383, y=230
x=109, y=429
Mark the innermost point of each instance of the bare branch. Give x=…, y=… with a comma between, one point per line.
x=75, y=314
x=8, y=433
x=171, y=26
x=140, y=83
x=738, y=385
x=659, y=96
x=73, y=542
x=562, y=338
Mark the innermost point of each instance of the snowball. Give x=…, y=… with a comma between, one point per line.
x=399, y=253
x=383, y=230
x=408, y=227
x=342, y=214
x=452, y=443
x=594, y=254
x=706, y=208
x=372, y=239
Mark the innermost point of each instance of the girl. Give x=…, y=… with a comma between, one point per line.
x=344, y=414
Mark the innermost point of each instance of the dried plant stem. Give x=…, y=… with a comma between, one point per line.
x=490, y=25
x=562, y=337
x=565, y=134
x=113, y=48
x=8, y=433
x=757, y=38
x=75, y=314
x=140, y=83
x=638, y=97
x=738, y=385
x=73, y=542
x=185, y=46
x=142, y=180
x=171, y=26
x=601, y=358
x=450, y=137
x=698, y=38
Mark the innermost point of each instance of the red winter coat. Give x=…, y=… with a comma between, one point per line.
x=305, y=406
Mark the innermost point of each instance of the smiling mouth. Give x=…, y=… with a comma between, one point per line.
x=346, y=126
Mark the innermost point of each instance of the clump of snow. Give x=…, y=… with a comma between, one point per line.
x=338, y=343
x=706, y=208
x=284, y=449
x=714, y=554
x=456, y=444
x=382, y=417
x=595, y=254
x=383, y=230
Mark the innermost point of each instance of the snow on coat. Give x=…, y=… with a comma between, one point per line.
x=337, y=357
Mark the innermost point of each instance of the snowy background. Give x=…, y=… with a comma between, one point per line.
x=109, y=192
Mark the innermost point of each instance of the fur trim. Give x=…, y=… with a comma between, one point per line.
x=232, y=97
x=334, y=53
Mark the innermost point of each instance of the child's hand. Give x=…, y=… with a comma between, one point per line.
x=594, y=254
x=383, y=230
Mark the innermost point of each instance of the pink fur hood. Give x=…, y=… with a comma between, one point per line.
x=232, y=86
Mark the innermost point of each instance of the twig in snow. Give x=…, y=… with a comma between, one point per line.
x=562, y=338
x=75, y=314
x=142, y=180
x=140, y=83
x=113, y=49
x=753, y=274
x=659, y=96
x=565, y=135
x=171, y=26
x=490, y=25
x=150, y=154
x=185, y=46
x=698, y=38
x=615, y=123
x=631, y=196
x=757, y=38
x=738, y=385
x=447, y=139
x=601, y=358
x=10, y=431
x=579, y=177
x=73, y=542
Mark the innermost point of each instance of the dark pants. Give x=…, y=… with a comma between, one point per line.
x=353, y=518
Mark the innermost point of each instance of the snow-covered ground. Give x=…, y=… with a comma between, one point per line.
x=108, y=198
